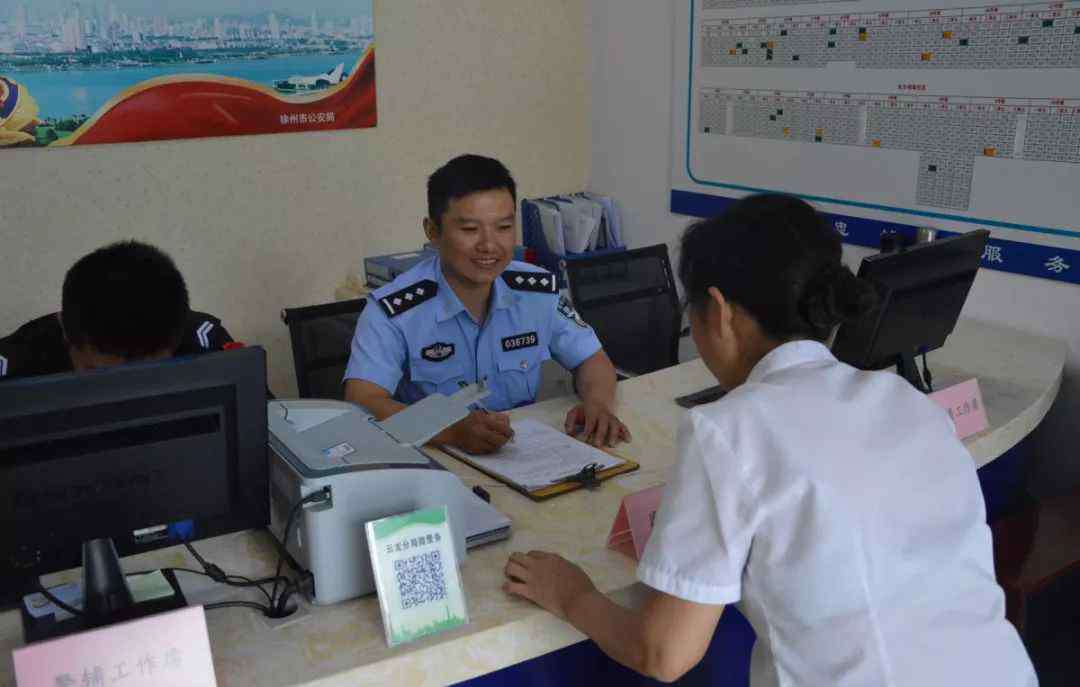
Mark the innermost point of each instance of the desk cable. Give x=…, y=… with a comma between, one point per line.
x=277, y=603
x=210, y=570
x=292, y=587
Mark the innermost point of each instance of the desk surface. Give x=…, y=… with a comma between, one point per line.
x=344, y=644
x=1019, y=374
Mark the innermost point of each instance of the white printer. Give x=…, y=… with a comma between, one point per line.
x=374, y=469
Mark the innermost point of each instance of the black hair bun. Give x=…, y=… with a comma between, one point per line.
x=835, y=295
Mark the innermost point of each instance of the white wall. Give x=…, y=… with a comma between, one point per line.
x=631, y=152
x=261, y=223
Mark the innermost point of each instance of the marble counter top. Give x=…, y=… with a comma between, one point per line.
x=344, y=644
x=1019, y=374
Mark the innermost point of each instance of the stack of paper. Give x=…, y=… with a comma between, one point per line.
x=539, y=456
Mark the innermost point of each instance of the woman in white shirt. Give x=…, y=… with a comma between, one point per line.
x=835, y=506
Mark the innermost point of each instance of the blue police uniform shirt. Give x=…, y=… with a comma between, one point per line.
x=416, y=337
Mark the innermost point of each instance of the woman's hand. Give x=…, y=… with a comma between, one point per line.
x=548, y=580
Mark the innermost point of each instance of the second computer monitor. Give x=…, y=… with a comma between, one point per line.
x=922, y=290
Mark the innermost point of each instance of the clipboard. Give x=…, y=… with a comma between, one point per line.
x=554, y=489
x=589, y=478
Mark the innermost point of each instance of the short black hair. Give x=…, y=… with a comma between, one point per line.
x=464, y=175
x=775, y=257
x=126, y=299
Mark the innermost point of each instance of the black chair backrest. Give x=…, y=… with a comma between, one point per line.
x=629, y=298
x=321, y=342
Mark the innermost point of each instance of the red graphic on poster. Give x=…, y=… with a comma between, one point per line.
x=199, y=106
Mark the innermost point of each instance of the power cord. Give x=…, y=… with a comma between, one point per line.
x=314, y=497
x=57, y=602
x=263, y=608
x=286, y=593
x=218, y=575
x=232, y=580
x=276, y=606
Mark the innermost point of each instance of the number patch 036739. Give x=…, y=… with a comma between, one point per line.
x=526, y=340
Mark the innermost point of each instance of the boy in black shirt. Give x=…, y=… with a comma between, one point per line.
x=122, y=303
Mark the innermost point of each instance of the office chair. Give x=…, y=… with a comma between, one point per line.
x=321, y=339
x=629, y=298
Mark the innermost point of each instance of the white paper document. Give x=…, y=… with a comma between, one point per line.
x=540, y=456
x=302, y=419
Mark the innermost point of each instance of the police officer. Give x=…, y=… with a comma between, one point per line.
x=472, y=315
x=124, y=302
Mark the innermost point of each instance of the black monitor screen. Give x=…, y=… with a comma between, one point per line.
x=922, y=290
x=129, y=450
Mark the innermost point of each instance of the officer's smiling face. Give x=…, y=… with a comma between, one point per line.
x=475, y=237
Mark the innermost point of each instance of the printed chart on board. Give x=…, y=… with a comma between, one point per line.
x=889, y=116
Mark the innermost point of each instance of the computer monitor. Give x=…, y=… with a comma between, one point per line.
x=126, y=452
x=922, y=289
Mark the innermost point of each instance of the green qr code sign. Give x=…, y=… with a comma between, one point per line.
x=416, y=574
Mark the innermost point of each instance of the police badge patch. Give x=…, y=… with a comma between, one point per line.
x=567, y=311
x=437, y=352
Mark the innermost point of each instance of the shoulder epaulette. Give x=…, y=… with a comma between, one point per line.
x=408, y=298
x=202, y=332
x=537, y=282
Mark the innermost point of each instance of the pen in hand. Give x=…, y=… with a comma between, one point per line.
x=481, y=409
